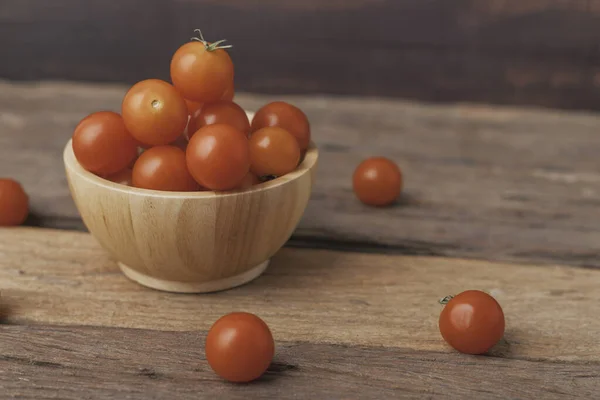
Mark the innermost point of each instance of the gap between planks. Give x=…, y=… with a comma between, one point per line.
x=75, y=362
x=316, y=296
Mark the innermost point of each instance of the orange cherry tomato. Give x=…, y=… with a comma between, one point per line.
x=102, y=144
x=472, y=322
x=286, y=116
x=201, y=72
x=14, y=203
x=123, y=177
x=222, y=112
x=377, y=181
x=192, y=106
x=229, y=93
x=218, y=157
x=154, y=112
x=163, y=168
x=249, y=180
x=273, y=151
x=239, y=347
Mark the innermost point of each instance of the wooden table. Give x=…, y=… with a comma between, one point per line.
x=498, y=199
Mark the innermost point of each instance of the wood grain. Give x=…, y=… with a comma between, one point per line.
x=192, y=242
x=60, y=277
x=104, y=363
x=542, y=52
x=493, y=183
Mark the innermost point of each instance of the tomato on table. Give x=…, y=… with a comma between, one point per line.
x=154, y=112
x=273, y=151
x=163, y=168
x=102, y=144
x=239, y=347
x=218, y=157
x=286, y=116
x=221, y=112
x=472, y=322
x=202, y=71
x=377, y=181
x=14, y=203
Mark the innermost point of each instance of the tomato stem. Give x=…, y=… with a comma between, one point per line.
x=210, y=46
x=445, y=300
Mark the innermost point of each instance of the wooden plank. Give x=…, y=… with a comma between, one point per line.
x=540, y=52
x=61, y=277
x=102, y=363
x=493, y=183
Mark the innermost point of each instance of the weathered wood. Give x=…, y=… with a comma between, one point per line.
x=61, y=277
x=541, y=52
x=494, y=183
x=103, y=363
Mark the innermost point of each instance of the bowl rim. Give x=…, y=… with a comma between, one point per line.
x=307, y=164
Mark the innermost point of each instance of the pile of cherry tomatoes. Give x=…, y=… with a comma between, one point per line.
x=191, y=135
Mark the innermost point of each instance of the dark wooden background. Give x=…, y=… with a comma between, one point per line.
x=539, y=52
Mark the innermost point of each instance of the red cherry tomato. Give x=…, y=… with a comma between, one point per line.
x=102, y=144
x=377, y=181
x=249, y=180
x=472, y=322
x=163, y=168
x=273, y=151
x=222, y=112
x=154, y=112
x=14, y=203
x=201, y=72
x=227, y=96
x=218, y=157
x=239, y=347
x=229, y=93
x=286, y=116
x=123, y=177
x=192, y=106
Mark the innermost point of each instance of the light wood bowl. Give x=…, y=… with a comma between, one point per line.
x=191, y=242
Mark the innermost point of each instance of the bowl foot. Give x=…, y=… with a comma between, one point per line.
x=190, y=287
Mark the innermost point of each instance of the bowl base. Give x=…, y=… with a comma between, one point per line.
x=190, y=287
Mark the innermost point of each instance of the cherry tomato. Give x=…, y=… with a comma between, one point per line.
x=273, y=151
x=229, y=93
x=227, y=96
x=192, y=106
x=123, y=177
x=472, y=322
x=154, y=112
x=249, y=180
x=163, y=168
x=377, y=181
x=180, y=142
x=285, y=116
x=239, y=347
x=222, y=112
x=102, y=144
x=201, y=71
x=14, y=203
x=218, y=157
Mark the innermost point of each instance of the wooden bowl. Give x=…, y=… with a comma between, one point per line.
x=191, y=242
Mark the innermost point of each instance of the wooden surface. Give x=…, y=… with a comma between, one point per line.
x=500, y=184
x=501, y=200
x=542, y=52
x=346, y=325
